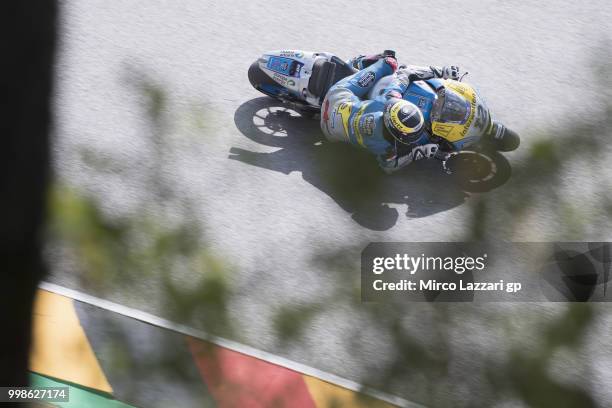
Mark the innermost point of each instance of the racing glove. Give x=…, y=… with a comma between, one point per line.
x=447, y=72
x=411, y=73
x=426, y=151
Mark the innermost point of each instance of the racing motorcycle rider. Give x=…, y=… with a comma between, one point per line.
x=388, y=126
x=416, y=72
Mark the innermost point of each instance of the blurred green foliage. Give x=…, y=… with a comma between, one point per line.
x=127, y=249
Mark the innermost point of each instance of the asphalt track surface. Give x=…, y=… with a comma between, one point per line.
x=261, y=196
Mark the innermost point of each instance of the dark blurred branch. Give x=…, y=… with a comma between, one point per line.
x=28, y=40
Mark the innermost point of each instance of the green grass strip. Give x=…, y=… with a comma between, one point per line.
x=79, y=396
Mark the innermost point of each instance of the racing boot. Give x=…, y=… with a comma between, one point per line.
x=364, y=61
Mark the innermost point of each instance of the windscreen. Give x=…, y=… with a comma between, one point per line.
x=455, y=108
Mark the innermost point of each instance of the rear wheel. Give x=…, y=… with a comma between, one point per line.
x=266, y=85
x=262, y=82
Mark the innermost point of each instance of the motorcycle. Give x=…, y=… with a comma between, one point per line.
x=456, y=115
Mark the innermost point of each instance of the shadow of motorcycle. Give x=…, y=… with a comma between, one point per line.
x=351, y=176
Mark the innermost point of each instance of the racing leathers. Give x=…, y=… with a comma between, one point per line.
x=347, y=116
x=415, y=72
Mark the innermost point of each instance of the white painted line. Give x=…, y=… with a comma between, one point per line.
x=229, y=344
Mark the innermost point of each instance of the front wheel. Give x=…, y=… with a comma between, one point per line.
x=478, y=171
x=509, y=142
x=503, y=139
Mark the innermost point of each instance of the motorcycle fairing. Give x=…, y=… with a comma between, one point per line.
x=284, y=66
x=435, y=83
x=274, y=90
x=459, y=114
x=292, y=70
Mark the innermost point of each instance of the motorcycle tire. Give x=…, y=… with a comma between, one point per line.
x=509, y=141
x=479, y=171
x=262, y=82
